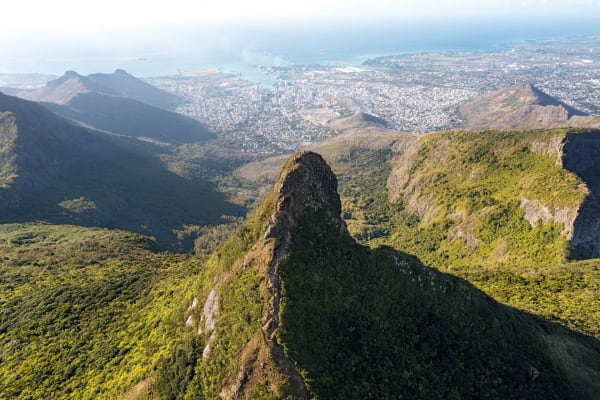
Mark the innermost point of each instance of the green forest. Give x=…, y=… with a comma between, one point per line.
x=461, y=298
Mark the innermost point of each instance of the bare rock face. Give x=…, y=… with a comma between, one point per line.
x=585, y=242
x=306, y=183
x=581, y=155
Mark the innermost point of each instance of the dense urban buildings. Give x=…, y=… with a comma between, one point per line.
x=418, y=92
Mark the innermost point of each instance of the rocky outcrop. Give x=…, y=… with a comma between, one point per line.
x=306, y=184
x=536, y=212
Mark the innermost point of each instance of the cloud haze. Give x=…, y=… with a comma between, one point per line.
x=70, y=15
x=54, y=36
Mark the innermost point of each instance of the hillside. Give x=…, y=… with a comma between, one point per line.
x=118, y=103
x=87, y=313
x=131, y=118
x=546, y=177
x=127, y=85
x=293, y=307
x=521, y=107
x=359, y=120
x=55, y=171
x=505, y=210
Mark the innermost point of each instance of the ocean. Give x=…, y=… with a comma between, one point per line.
x=161, y=51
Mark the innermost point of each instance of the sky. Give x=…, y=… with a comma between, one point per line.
x=34, y=16
x=53, y=36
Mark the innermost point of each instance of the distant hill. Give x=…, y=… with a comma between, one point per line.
x=360, y=131
x=127, y=85
x=519, y=107
x=131, y=118
x=63, y=89
x=103, y=102
x=358, y=120
x=53, y=170
x=118, y=83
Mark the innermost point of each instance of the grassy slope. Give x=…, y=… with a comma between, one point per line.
x=86, y=313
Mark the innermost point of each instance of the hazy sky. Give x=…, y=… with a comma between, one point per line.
x=54, y=36
x=31, y=16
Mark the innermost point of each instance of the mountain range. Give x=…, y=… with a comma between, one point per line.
x=121, y=104
x=119, y=83
x=54, y=170
x=451, y=265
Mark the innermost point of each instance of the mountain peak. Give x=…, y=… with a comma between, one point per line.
x=520, y=106
x=307, y=178
x=63, y=89
x=306, y=184
x=71, y=74
x=66, y=77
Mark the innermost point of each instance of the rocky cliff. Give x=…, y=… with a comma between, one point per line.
x=462, y=177
x=581, y=155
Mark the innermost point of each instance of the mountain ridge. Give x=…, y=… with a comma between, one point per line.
x=298, y=282
x=53, y=170
x=127, y=85
x=119, y=103
x=63, y=89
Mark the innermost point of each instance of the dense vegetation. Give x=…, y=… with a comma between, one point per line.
x=365, y=324
x=86, y=313
x=93, y=313
x=241, y=298
x=472, y=181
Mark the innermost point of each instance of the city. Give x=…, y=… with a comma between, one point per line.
x=418, y=92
